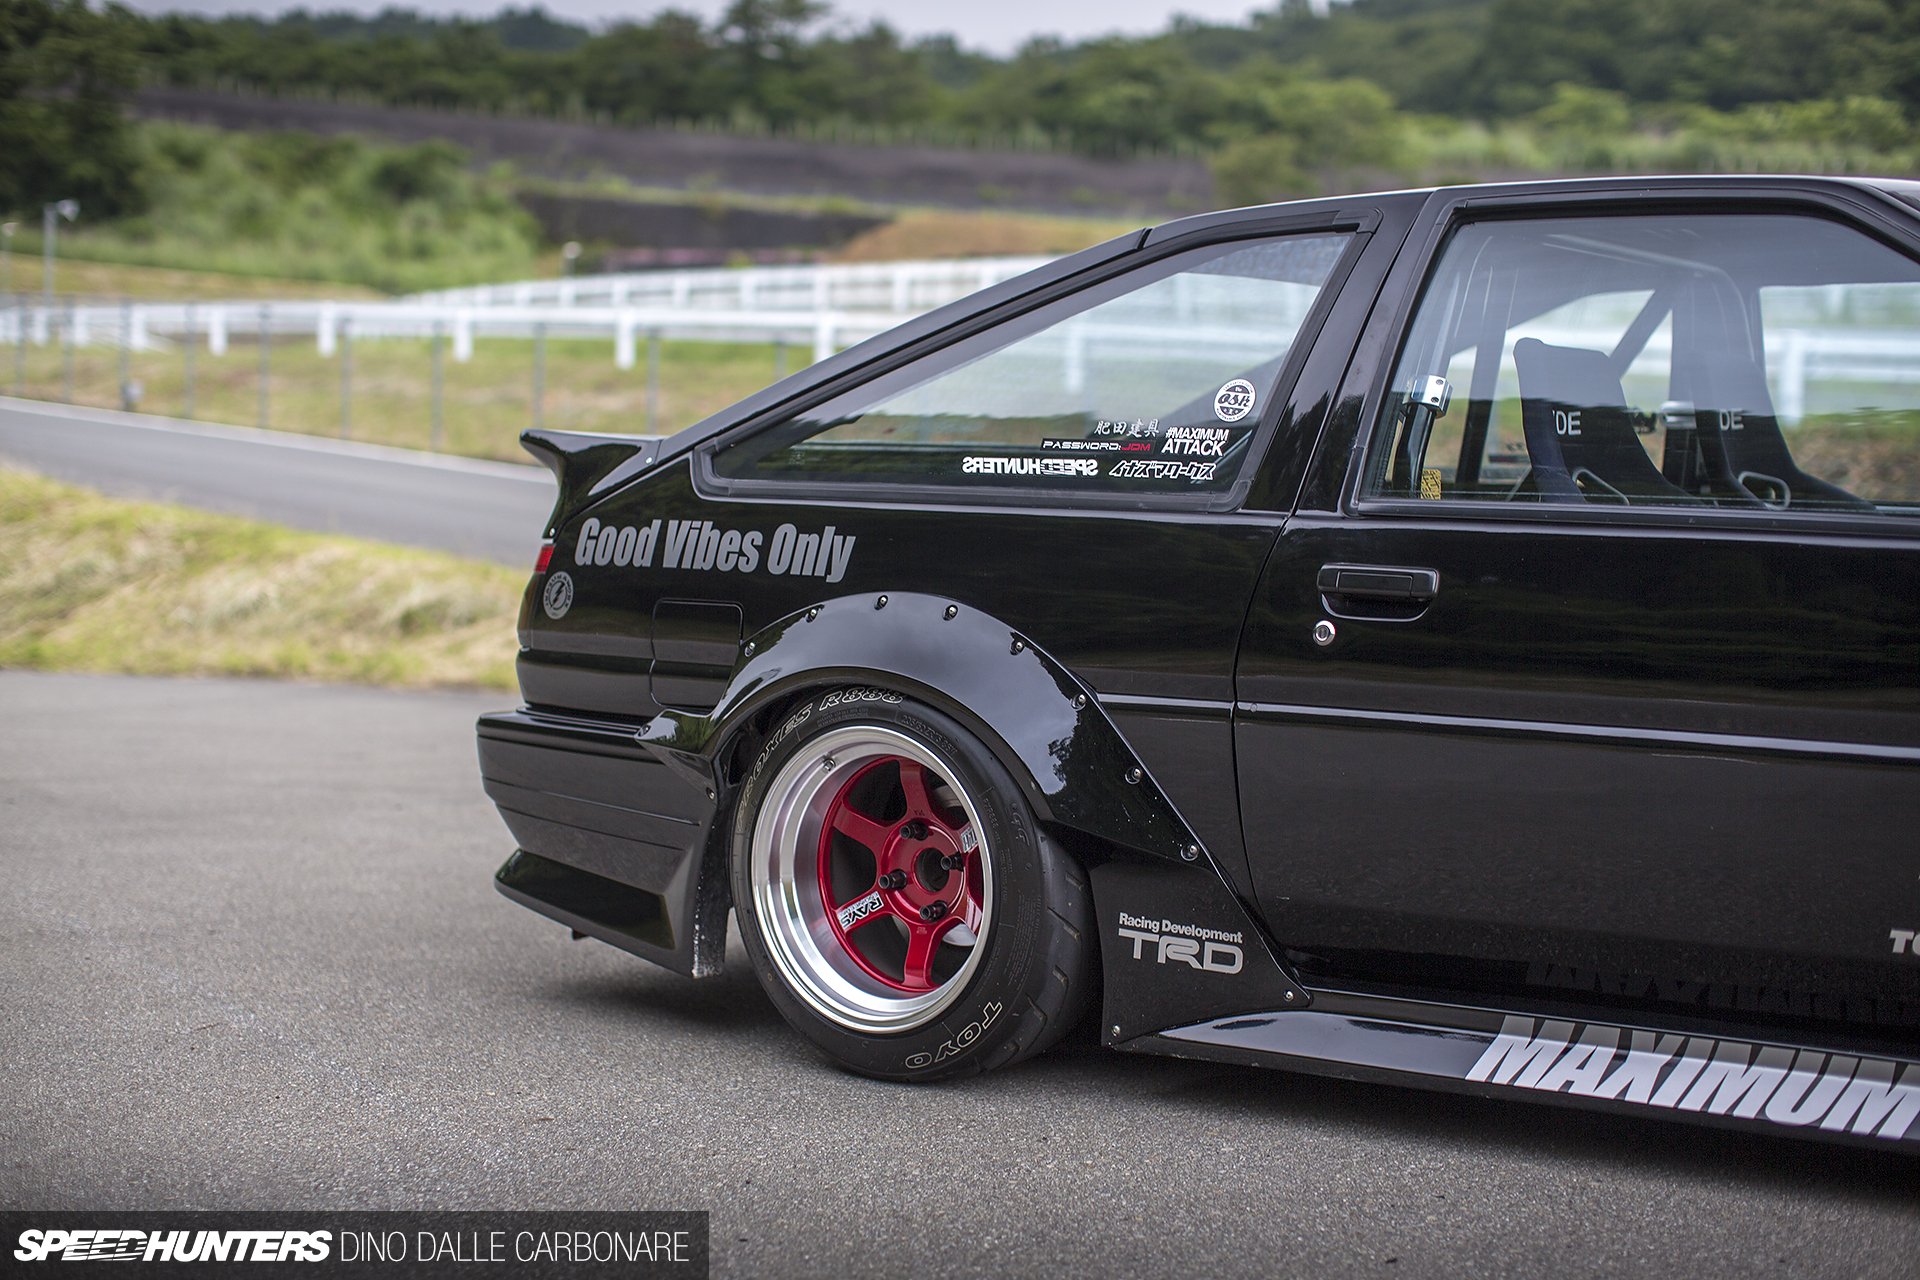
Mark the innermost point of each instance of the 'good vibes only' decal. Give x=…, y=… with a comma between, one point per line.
x=701, y=545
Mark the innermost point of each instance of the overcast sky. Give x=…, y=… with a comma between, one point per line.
x=996, y=25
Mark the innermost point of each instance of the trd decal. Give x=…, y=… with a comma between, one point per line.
x=703, y=545
x=1164, y=941
x=1837, y=1092
x=1903, y=942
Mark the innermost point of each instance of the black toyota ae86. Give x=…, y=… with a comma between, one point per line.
x=1467, y=638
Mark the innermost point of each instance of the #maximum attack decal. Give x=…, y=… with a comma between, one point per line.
x=1837, y=1092
x=703, y=545
x=1795, y=1088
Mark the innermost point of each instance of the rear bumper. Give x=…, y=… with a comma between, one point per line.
x=612, y=842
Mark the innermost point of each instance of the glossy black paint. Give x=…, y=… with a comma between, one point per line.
x=1441, y=1046
x=1752, y=682
x=1426, y=809
x=613, y=841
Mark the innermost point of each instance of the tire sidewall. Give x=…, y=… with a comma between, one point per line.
x=982, y=1019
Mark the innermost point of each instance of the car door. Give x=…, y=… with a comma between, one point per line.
x=1590, y=666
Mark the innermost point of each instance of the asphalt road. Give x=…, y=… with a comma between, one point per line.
x=487, y=510
x=251, y=959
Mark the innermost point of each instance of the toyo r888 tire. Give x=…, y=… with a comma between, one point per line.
x=903, y=909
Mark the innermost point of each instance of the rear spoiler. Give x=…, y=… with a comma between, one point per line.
x=587, y=465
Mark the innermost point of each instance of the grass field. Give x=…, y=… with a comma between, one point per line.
x=117, y=280
x=487, y=402
x=99, y=584
x=938, y=233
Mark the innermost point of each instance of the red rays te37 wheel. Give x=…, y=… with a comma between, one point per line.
x=915, y=867
x=903, y=908
x=871, y=879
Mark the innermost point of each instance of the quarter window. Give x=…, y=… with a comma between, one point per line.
x=1746, y=362
x=1152, y=382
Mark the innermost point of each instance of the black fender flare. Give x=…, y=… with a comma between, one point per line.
x=1050, y=732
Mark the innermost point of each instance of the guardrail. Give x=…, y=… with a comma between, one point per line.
x=896, y=287
x=129, y=327
x=144, y=326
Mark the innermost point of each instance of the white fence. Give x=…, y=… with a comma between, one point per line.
x=900, y=288
x=145, y=326
x=1802, y=362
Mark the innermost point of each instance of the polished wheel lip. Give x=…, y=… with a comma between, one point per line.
x=783, y=867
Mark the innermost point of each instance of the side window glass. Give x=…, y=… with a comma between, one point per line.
x=1843, y=376
x=1755, y=362
x=1149, y=383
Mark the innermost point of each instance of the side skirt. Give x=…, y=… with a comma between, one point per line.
x=1858, y=1097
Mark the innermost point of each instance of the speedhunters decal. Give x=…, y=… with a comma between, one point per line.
x=705, y=546
x=433, y=1243
x=1059, y=468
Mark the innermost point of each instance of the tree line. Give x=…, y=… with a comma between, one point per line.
x=1194, y=85
x=1433, y=90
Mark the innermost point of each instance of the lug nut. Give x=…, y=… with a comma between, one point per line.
x=915, y=830
x=933, y=911
x=953, y=862
x=894, y=880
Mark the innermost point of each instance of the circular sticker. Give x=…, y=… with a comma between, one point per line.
x=558, y=597
x=1233, y=401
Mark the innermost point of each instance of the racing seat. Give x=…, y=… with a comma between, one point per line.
x=1743, y=454
x=1580, y=435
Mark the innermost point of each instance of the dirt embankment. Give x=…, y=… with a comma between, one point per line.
x=760, y=166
